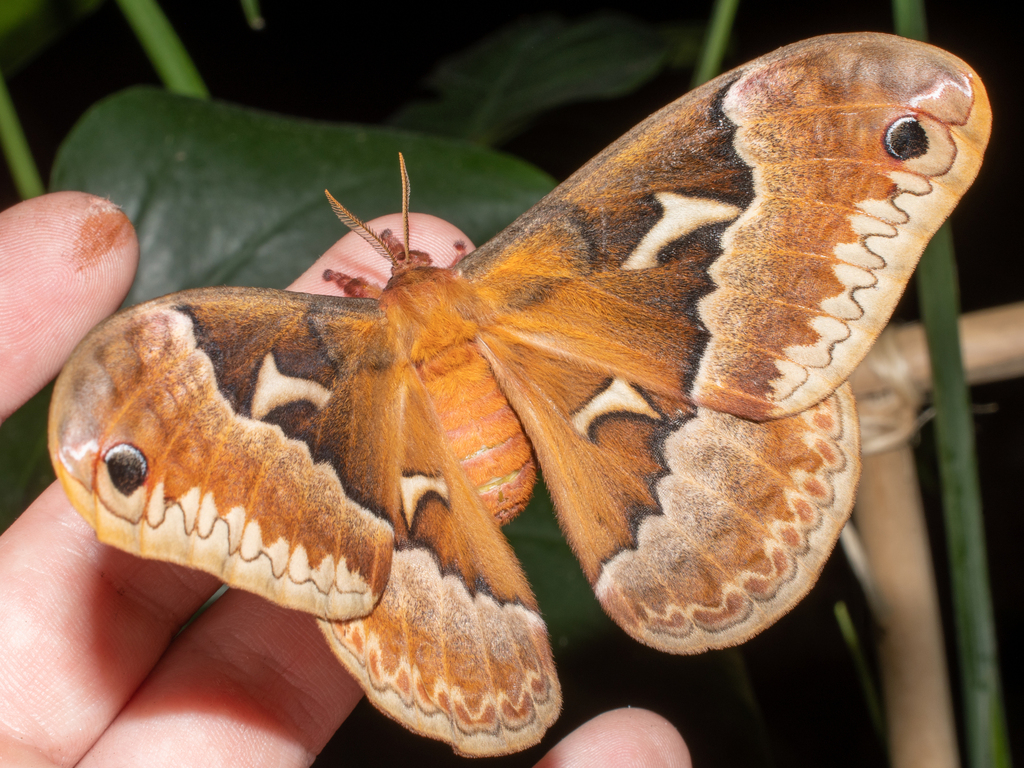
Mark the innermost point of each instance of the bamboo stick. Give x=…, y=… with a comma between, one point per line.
x=890, y=519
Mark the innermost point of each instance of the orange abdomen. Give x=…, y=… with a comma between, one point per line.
x=482, y=429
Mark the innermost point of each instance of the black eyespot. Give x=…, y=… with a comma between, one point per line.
x=906, y=139
x=127, y=468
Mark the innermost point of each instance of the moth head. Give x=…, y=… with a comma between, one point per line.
x=394, y=249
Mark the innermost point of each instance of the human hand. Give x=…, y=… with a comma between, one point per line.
x=92, y=668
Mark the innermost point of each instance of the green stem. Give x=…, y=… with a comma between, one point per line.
x=984, y=715
x=251, y=9
x=15, y=148
x=710, y=63
x=908, y=19
x=164, y=48
x=867, y=683
x=985, y=720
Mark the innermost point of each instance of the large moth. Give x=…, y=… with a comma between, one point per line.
x=667, y=335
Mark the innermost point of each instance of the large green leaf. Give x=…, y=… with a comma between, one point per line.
x=491, y=91
x=223, y=194
x=220, y=194
x=24, y=464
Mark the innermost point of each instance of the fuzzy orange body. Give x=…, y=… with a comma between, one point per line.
x=432, y=307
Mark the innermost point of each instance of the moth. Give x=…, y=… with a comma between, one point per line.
x=667, y=336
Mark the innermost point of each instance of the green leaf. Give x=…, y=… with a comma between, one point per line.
x=489, y=92
x=220, y=194
x=863, y=668
x=29, y=26
x=223, y=194
x=16, y=151
x=25, y=469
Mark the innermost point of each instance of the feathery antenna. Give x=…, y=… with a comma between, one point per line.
x=406, y=189
x=385, y=243
x=357, y=226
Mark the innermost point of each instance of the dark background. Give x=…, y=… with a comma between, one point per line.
x=359, y=62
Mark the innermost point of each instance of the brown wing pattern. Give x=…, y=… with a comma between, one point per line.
x=456, y=649
x=195, y=446
x=697, y=529
x=791, y=197
x=281, y=443
x=748, y=514
x=731, y=258
x=860, y=148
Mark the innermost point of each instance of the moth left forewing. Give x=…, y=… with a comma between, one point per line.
x=788, y=200
x=183, y=433
x=456, y=649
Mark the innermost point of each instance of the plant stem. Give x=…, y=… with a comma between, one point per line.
x=984, y=715
x=985, y=720
x=15, y=148
x=164, y=48
x=710, y=63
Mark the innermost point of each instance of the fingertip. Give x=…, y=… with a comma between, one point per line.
x=67, y=260
x=354, y=257
x=623, y=737
x=262, y=678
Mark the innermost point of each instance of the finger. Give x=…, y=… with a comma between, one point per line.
x=216, y=654
x=249, y=684
x=633, y=737
x=81, y=624
x=66, y=261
